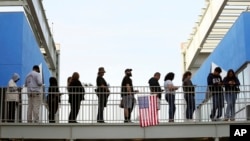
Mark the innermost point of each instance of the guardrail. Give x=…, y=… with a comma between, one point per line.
x=113, y=113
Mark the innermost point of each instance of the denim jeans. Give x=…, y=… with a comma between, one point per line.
x=230, y=110
x=102, y=102
x=218, y=104
x=190, y=101
x=170, y=98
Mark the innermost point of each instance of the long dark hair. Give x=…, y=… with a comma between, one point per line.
x=53, y=81
x=228, y=72
x=169, y=76
x=185, y=75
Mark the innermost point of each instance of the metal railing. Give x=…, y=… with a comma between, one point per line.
x=17, y=111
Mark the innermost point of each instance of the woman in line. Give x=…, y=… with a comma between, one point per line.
x=170, y=94
x=76, y=95
x=53, y=98
x=189, y=95
x=231, y=83
x=12, y=97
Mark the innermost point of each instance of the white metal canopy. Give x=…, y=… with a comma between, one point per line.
x=214, y=22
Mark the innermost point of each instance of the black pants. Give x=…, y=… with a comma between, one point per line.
x=75, y=107
x=11, y=110
x=190, y=101
x=102, y=102
x=53, y=107
x=218, y=104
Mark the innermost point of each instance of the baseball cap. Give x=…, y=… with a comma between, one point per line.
x=128, y=70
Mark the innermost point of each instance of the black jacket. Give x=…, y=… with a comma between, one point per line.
x=76, y=91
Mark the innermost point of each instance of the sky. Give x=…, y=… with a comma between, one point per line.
x=144, y=35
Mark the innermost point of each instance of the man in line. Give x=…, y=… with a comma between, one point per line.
x=155, y=87
x=214, y=82
x=127, y=95
x=34, y=84
x=102, y=92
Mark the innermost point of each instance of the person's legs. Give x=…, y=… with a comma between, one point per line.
x=213, y=111
x=234, y=97
x=220, y=104
x=30, y=108
x=192, y=108
x=77, y=109
x=188, y=105
x=227, y=98
x=71, y=111
x=11, y=106
x=36, y=106
x=100, y=108
x=171, y=99
x=50, y=106
x=128, y=104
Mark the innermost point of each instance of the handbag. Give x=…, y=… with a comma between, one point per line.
x=121, y=105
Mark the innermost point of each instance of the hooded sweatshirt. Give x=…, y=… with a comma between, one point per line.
x=12, y=90
x=213, y=83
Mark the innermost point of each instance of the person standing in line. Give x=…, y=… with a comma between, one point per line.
x=34, y=84
x=102, y=92
x=215, y=84
x=155, y=87
x=170, y=94
x=12, y=97
x=231, y=83
x=53, y=98
x=127, y=95
x=189, y=94
x=76, y=95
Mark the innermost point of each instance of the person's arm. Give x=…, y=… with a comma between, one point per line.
x=39, y=79
x=12, y=86
x=128, y=87
x=171, y=87
x=209, y=80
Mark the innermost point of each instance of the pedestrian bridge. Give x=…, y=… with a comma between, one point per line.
x=119, y=131
x=199, y=128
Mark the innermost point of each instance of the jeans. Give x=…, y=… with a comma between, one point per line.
x=230, y=110
x=190, y=101
x=170, y=98
x=218, y=104
x=102, y=102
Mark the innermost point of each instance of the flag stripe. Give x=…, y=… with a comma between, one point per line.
x=148, y=113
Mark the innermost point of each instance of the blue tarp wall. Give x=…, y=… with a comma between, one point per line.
x=19, y=51
x=231, y=53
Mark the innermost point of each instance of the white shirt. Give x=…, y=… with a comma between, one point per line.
x=34, y=82
x=166, y=85
x=12, y=91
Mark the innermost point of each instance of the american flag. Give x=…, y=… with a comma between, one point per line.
x=148, y=112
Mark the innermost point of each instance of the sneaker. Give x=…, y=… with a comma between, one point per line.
x=100, y=121
x=171, y=120
x=232, y=119
x=226, y=119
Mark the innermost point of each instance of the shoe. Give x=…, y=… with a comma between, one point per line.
x=232, y=119
x=73, y=122
x=226, y=119
x=213, y=119
x=100, y=121
x=171, y=120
